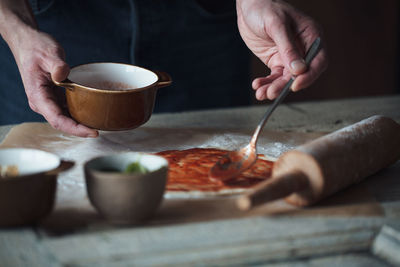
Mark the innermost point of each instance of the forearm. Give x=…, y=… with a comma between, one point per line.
x=16, y=20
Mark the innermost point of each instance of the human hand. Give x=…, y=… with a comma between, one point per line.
x=40, y=59
x=279, y=35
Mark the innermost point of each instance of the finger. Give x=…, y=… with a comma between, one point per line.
x=258, y=82
x=317, y=66
x=55, y=64
x=275, y=74
x=291, y=56
x=59, y=70
x=54, y=115
x=276, y=87
x=261, y=92
x=69, y=126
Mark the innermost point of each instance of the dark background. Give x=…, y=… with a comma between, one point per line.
x=362, y=40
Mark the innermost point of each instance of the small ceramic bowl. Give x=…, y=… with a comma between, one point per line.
x=29, y=196
x=125, y=198
x=112, y=96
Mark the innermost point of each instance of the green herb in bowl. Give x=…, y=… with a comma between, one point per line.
x=136, y=167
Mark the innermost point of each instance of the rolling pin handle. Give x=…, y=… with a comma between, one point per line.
x=272, y=189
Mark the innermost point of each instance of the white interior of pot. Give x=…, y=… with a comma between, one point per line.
x=112, y=76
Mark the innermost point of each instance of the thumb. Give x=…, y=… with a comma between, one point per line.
x=59, y=70
x=292, y=58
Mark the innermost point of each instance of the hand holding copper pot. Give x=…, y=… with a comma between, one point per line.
x=112, y=96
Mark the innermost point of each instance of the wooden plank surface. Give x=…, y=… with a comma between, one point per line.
x=72, y=199
x=20, y=247
x=318, y=116
x=387, y=245
x=330, y=238
x=248, y=240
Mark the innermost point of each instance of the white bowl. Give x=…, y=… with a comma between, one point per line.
x=29, y=196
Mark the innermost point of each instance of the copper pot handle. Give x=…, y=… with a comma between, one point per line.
x=163, y=79
x=67, y=84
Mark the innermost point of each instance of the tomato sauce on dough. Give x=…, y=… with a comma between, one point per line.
x=188, y=171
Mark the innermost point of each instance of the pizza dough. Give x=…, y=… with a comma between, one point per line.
x=188, y=174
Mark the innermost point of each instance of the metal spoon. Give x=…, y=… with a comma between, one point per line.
x=235, y=162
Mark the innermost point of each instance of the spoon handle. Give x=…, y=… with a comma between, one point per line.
x=312, y=52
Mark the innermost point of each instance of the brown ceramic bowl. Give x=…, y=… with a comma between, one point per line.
x=112, y=96
x=29, y=196
x=124, y=198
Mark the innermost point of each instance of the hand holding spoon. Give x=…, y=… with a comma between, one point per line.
x=235, y=162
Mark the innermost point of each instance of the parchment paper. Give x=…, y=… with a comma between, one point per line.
x=73, y=211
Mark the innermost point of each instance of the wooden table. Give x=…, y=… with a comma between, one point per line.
x=279, y=240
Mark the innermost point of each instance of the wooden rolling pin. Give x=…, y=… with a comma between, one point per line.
x=330, y=163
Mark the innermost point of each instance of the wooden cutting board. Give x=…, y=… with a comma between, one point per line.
x=73, y=211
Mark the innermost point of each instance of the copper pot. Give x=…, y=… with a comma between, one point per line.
x=112, y=96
